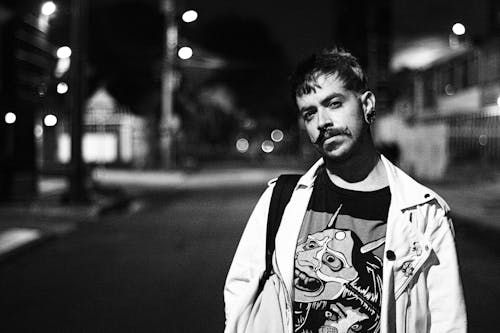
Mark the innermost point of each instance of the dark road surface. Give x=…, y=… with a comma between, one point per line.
x=162, y=269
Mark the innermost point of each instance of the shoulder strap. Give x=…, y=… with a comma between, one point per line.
x=282, y=192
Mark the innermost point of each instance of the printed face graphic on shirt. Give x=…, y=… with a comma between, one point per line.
x=323, y=265
x=343, y=319
x=338, y=283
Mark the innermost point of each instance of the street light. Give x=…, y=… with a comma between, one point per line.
x=48, y=8
x=185, y=52
x=456, y=37
x=63, y=52
x=50, y=120
x=458, y=29
x=62, y=88
x=190, y=16
x=10, y=117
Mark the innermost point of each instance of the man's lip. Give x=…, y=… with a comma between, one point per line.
x=331, y=139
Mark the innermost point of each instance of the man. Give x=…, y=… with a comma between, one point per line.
x=361, y=246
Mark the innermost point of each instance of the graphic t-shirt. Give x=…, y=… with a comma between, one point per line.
x=338, y=260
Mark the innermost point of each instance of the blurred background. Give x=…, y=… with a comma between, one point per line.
x=156, y=118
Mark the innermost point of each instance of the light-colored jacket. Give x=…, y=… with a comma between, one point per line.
x=421, y=290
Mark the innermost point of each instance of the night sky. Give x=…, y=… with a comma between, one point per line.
x=274, y=35
x=304, y=26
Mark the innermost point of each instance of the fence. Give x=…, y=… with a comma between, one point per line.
x=474, y=137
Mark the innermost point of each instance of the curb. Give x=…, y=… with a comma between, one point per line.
x=10, y=248
x=16, y=240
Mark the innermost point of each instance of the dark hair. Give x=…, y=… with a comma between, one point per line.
x=334, y=61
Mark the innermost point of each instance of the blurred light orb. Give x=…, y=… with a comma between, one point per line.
x=10, y=118
x=267, y=146
x=458, y=29
x=190, y=16
x=277, y=135
x=38, y=131
x=48, y=8
x=64, y=52
x=498, y=101
x=50, y=120
x=42, y=89
x=62, y=88
x=449, y=90
x=185, y=52
x=242, y=145
x=483, y=139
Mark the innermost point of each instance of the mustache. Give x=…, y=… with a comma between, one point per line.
x=326, y=133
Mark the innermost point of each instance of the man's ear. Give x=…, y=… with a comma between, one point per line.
x=368, y=105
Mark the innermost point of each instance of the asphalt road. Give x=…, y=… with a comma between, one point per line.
x=162, y=268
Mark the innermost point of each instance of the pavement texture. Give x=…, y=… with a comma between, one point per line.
x=472, y=193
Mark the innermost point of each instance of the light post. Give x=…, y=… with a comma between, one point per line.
x=77, y=174
x=168, y=81
x=457, y=35
x=168, y=120
x=48, y=8
x=47, y=11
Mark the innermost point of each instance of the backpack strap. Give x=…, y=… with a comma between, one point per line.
x=282, y=192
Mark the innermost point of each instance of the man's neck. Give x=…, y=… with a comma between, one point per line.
x=364, y=173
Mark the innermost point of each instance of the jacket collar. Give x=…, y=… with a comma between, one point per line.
x=406, y=192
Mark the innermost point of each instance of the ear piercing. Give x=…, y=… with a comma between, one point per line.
x=370, y=116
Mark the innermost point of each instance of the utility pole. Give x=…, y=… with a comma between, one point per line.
x=77, y=176
x=168, y=85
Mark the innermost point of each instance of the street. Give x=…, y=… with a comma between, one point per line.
x=161, y=268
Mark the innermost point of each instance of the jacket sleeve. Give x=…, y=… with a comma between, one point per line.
x=446, y=299
x=247, y=267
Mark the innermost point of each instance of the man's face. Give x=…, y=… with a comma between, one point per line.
x=334, y=117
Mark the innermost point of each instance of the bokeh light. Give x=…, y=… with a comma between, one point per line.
x=190, y=16
x=50, y=120
x=242, y=145
x=277, y=135
x=64, y=52
x=62, y=88
x=38, y=131
x=48, y=8
x=267, y=146
x=185, y=52
x=458, y=29
x=10, y=118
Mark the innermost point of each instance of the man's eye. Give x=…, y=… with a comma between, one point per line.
x=308, y=115
x=334, y=104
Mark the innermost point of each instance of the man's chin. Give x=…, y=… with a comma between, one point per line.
x=334, y=155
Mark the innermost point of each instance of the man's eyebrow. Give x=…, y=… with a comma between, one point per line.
x=330, y=97
x=307, y=108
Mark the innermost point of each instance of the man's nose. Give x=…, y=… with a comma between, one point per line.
x=324, y=120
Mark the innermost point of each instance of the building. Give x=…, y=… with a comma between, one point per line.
x=26, y=59
x=112, y=136
x=450, y=112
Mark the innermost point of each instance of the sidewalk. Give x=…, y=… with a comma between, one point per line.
x=473, y=197
x=26, y=224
